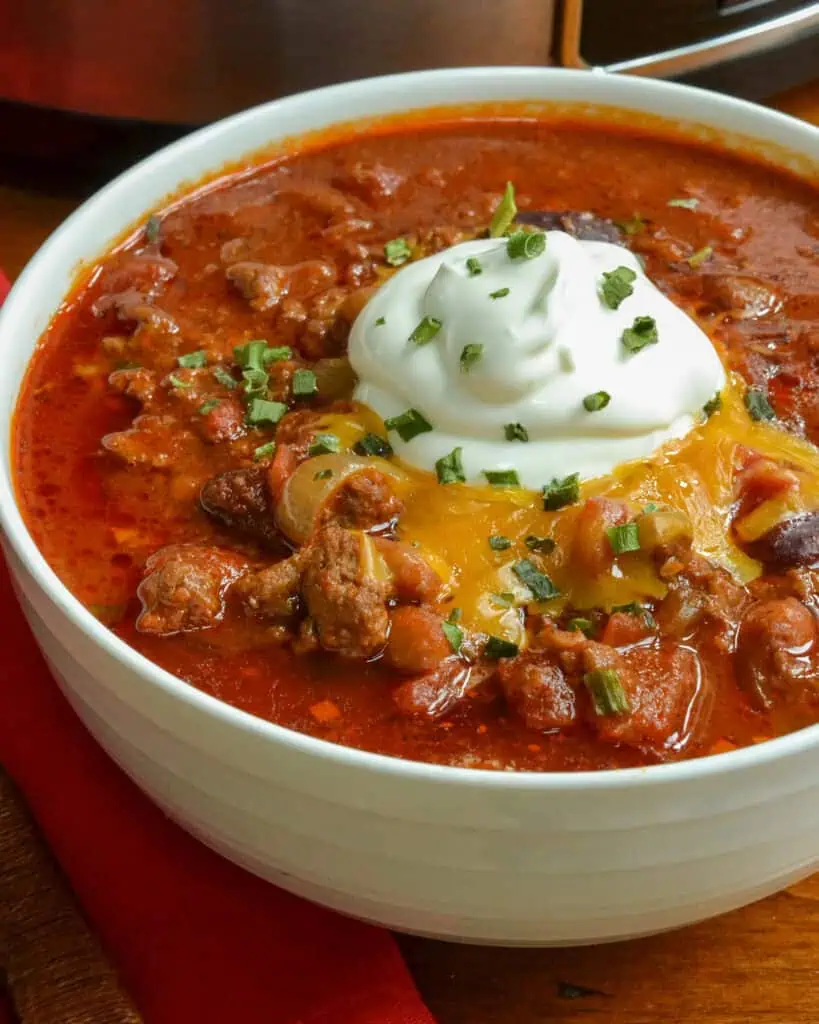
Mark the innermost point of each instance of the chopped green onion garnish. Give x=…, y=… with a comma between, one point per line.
x=193, y=360
x=408, y=424
x=454, y=634
x=758, y=406
x=304, y=383
x=515, y=432
x=324, y=444
x=380, y=321
x=455, y=615
x=560, y=493
x=276, y=354
x=470, y=355
x=685, y=204
x=700, y=256
x=152, y=228
x=209, y=406
x=545, y=545
x=178, y=383
x=397, y=252
x=425, y=331
x=499, y=543
x=539, y=583
x=323, y=474
x=261, y=412
x=224, y=378
x=599, y=400
x=641, y=333
x=633, y=226
x=526, y=245
x=624, y=538
x=501, y=477
x=496, y=648
x=264, y=451
x=505, y=213
x=712, y=405
x=617, y=286
x=372, y=444
x=504, y=600
x=501, y=293
x=473, y=265
x=652, y=506
x=606, y=691
x=581, y=625
x=255, y=382
x=250, y=355
x=450, y=468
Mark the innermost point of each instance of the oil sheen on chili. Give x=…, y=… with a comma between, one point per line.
x=489, y=444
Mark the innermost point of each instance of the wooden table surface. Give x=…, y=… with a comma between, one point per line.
x=759, y=965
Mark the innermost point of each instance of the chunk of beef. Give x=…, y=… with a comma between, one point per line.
x=701, y=594
x=417, y=641
x=581, y=224
x=345, y=599
x=239, y=499
x=156, y=441
x=185, y=588
x=136, y=307
x=146, y=271
x=365, y=501
x=739, y=295
x=225, y=421
x=136, y=382
x=274, y=592
x=775, y=653
x=262, y=284
x=537, y=689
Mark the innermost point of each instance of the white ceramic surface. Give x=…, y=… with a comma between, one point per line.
x=488, y=857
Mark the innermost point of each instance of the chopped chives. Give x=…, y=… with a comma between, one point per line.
x=152, y=228
x=641, y=333
x=700, y=256
x=501, y=477
x=380, y=321
x=685, y=204
x=712, y=405
x=373, y=444
x=425, y=331
x=397, y=252
x=177, y=382
x=209, y=406
x=499, y=543
x=505, y=213
x=539, y=583
x=455, y=615
x=496, y=648
x=224, y=378
x=606, y=691
x=255, y=382
x=635, y=608
x=470, y=355
x=324, y=444
x=261, y=412
x=304, y=383
x=545, y=545
x=408, y=424
x=617, y=286
x=250, y=355
x=580, y=624
x=624, y=538
x=473, y=265
x=323, y=474
x=515, y=432
x=526, y=245
x=264, y=451
x=501, y=293
x=276, y=354
x=450, y=468
x=193, y=360
x=758, y=406
x=503, y=600
x=633, y=226
x=599, y=400
x=560, y=493
x=454, y=634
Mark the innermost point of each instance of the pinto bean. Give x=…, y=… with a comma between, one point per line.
x=417, y=642
x=791, y=543
x=537, y=689
x=773, y=648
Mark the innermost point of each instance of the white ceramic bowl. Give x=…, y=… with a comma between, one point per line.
x=491, y=857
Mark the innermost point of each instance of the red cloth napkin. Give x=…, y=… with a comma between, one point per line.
x=194, y=938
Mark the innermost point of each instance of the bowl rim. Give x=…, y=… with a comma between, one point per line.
x=21, y=542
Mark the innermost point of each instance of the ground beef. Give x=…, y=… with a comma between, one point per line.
x=538, y=691
x=417, y=641
x=185, y=588
x=365, y=501
x=136, y=382
x=155, y=441
x=274, y=592
x=348, y=607
x=262, y=284
x=240, y=500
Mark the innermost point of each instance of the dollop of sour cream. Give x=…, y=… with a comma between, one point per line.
x=524, y=363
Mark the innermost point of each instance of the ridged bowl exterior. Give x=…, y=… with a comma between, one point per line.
x=486, y=857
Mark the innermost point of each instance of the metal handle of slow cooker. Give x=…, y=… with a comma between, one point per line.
x=696, y=56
